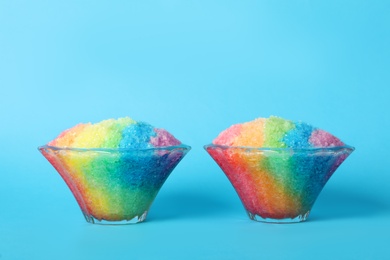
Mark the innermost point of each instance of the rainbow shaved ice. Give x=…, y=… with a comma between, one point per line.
x=111, y=133
x=278, y=167
x=276, y=132
x=116, y=167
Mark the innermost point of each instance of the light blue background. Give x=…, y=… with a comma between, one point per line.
x=194, y=68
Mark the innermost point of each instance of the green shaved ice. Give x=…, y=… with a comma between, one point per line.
x=274, y=130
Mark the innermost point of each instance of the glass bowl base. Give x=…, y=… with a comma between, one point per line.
x=137, y=219
x=297, y=219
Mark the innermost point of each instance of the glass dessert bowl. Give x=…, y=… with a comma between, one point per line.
x=278, y=185
x=114, y=186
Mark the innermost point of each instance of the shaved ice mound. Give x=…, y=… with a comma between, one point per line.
x=111, y=133
x=276, y=132
x=278, y=167
x=114, y=168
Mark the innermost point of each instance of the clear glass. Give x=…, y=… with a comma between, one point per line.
x=278, y=185
x=114, y=186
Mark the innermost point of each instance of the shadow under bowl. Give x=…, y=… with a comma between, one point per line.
x=278, y=185
x=114, y=186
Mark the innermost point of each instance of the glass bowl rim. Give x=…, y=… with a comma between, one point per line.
x=309, y=149
x=77, y=149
